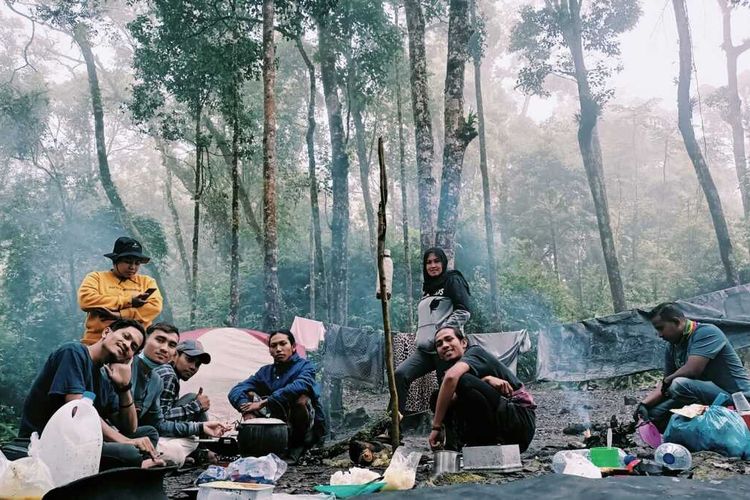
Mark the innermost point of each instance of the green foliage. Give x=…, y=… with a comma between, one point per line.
x=22, y=120
x=543, y=37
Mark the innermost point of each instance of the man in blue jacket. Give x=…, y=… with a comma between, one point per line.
x=285, y=390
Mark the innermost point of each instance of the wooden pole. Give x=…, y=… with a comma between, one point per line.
x=384, y=299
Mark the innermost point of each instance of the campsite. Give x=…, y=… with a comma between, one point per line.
x=445, y=247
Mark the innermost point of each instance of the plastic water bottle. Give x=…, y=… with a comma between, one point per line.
x=71, y=443
x=673, y=456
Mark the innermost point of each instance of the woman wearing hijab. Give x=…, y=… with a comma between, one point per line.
x=445, y=302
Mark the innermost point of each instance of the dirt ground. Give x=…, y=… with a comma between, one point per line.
x=558, y=408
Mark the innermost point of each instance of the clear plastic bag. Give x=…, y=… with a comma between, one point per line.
x=267, y=469
x=213, y=473
x=26, y=477
x=401, y=474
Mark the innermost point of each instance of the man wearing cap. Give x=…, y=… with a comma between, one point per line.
x=120, y=292
x=190, y=407
x=177, y=439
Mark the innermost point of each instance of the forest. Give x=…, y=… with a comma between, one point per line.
x=574, y=158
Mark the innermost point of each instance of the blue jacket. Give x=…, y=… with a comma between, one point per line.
x=283, y=383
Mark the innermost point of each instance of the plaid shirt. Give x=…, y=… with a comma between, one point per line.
x=189, y=412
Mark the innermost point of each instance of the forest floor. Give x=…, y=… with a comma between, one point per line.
x=558, y=409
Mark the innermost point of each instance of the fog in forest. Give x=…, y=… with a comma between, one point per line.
x=146, y=118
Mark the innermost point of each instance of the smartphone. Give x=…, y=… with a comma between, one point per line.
x=149, y=291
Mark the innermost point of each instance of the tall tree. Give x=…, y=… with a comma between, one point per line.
x=319, y=269
x=272, y=316
x=477, y=49
x=734, y=105
x=76, y=19
x=543, y=36
x=402, y=181
x=685, y=124
x=339, y=174
x=420, y=103
x=459, y=130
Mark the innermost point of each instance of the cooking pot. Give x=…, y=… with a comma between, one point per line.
x=260, y=436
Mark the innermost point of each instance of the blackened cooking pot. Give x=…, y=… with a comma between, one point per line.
x=260, y=436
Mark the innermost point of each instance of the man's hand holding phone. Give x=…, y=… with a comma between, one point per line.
x=141, y=299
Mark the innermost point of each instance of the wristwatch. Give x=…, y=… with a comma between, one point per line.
x=123, y=389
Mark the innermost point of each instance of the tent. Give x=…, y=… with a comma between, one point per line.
x=625, y=343
x=236, y=353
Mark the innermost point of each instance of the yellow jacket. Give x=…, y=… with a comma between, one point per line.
x=104, y=289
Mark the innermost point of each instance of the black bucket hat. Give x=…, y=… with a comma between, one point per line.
x=127, y=247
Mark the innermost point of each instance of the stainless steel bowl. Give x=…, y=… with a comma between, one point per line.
x=445, y=461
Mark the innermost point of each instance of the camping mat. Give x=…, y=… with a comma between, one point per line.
x=625, y=343
x=562, y=487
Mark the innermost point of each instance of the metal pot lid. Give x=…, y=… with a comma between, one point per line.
x=263, y=421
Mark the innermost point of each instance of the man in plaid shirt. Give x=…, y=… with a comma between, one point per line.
x=190, y=407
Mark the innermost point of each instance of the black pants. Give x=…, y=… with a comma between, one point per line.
x=299, y=416
x=481, y=416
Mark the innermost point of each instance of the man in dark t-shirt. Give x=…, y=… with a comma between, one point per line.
x=74, y=369
x=482, y=398
x=700, y=363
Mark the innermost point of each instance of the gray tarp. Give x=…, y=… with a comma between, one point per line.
x=561, y=487
x=626, y=343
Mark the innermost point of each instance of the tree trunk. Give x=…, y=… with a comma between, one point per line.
x=173, y=211
x=247, y=207
x=588, y=142
x=458, y=131
x=364, y=167
x=420, y=102
x=404, y=205
x=488, y=226
x=197, y=193
x=340, y=178
x=734, y=106
x=272, y=317
x=319, y=263
x=80, y=35
x=685, y=123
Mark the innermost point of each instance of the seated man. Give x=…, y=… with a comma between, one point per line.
x=699, y=365
x=285, y=390
x=480, y=396
x=160, y=349
x=120, y=292
x=190, y=407
x=74, y=369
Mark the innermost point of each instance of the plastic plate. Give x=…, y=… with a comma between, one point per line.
x=350, y=490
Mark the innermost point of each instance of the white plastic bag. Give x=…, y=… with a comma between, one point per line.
x=582, y=467
x=355, y=475
x=401, y=474
x=26, y=477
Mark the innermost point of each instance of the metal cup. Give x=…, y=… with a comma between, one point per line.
x=445, y=461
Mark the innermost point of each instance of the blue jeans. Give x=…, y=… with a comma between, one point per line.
x=683, y=391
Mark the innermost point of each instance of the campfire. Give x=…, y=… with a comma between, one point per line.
x=595, y=434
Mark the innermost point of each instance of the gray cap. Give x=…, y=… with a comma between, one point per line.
x=194, y=349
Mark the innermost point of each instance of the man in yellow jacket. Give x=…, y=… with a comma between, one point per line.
x=120, y=292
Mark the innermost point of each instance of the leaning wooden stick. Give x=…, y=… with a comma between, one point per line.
x=395, y=433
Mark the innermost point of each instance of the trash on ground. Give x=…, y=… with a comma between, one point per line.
x=690, y=411
x=401, y=474
x=355, y=475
